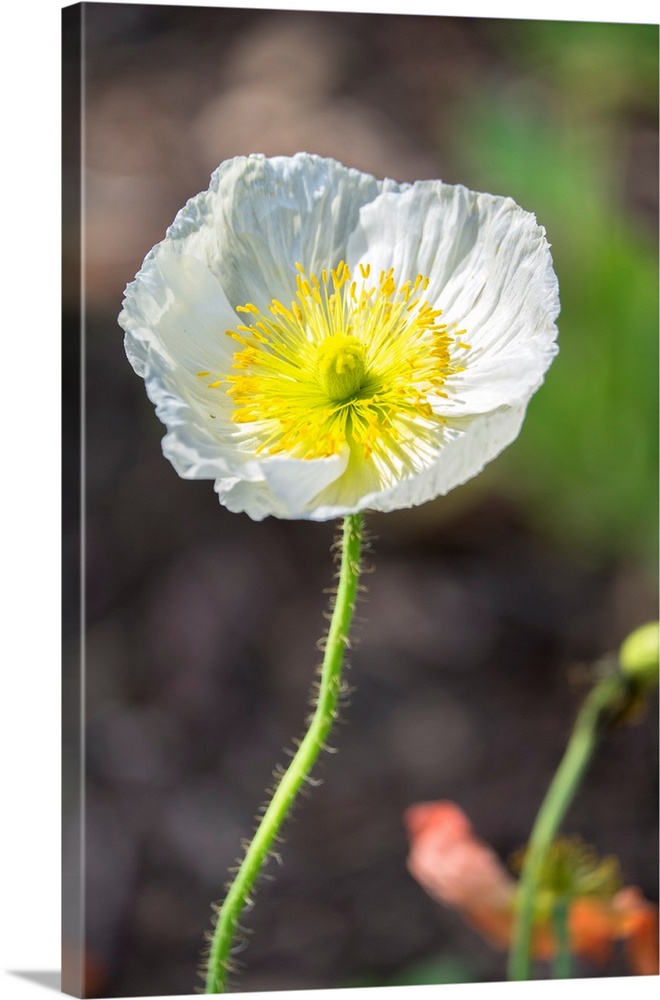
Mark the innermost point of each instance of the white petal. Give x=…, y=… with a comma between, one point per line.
x=429, y=229
x=253, y=499
x=346, y=493
x=261, y=216
x=194, y=446
x=469, y=446
x=286, y=490
x=485, y=384
x=177, y=308
x=490, y=272
x=295, y=482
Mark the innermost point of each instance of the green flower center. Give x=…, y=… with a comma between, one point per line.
x=341, y=366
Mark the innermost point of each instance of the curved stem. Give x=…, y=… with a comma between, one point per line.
x=324, y=715
x=604, y=701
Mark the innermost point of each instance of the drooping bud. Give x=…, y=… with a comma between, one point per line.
x=638, y=655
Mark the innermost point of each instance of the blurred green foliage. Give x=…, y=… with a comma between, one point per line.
x=434, y=971
x=553, y=136
x=607, y=67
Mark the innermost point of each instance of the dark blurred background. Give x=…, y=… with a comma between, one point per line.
x=486, y=608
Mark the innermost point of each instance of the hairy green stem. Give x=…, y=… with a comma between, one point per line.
x=298, y=771
x=604, y=702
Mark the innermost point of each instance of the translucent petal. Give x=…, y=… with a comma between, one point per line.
x=261, y=216
x=469, y=446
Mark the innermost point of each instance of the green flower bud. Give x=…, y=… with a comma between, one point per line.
x=638, y=655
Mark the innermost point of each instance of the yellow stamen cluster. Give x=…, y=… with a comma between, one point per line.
x=347, y=363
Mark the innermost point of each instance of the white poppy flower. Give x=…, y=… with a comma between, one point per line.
x=320, y=342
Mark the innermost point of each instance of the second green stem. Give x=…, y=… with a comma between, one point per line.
x=603, y=701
